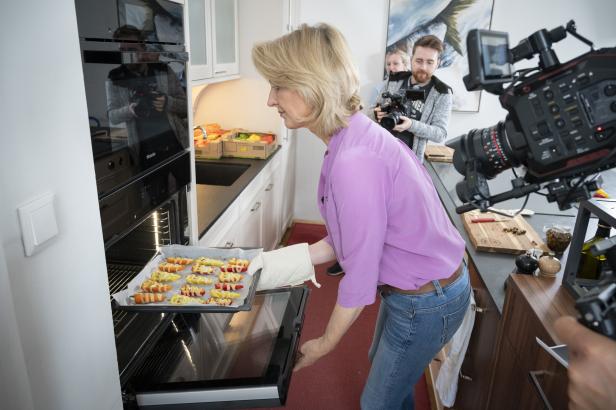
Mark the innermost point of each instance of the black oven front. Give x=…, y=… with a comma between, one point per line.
x=134, y=67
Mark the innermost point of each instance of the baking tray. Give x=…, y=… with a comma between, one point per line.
x=122, y=300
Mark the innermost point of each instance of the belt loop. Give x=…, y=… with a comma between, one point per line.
x=437, y=286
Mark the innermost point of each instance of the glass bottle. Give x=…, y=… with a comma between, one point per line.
x=591, y=266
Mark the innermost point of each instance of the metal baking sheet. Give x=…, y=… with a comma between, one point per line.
x=122, y=299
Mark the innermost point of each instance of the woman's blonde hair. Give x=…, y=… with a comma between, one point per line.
x=315, y=62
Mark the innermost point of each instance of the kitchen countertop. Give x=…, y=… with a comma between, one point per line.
x=494, y=268
x=213, y=200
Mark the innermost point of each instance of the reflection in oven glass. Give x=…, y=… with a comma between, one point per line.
x=147, y=101
x=218, y=346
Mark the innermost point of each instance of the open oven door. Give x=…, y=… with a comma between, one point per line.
x=225, y=360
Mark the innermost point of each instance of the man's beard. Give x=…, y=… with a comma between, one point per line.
x=421, y=77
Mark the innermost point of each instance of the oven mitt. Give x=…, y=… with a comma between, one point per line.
x=288, y=266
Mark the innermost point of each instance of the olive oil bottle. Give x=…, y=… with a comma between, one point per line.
x=591, y=266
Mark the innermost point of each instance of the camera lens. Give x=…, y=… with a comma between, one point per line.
x=390, y=120
x=490, y=147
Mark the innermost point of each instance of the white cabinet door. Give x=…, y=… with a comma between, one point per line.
x=248, y=229
x=270, y=225
x=286, y=173
x=225, y=37
x=223, y=232
x=212, y=40
x=200, y=39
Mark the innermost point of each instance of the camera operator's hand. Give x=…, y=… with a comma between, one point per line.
x=404, y=125
x=378, y=114
x=159, y=101
x=592, y=366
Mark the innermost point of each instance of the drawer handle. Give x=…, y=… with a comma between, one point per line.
x=465, y=377
x=220, y=72
x=479, y=309
x=229, y=244
x=269, y=187
x=257, y=206
x=534, y=378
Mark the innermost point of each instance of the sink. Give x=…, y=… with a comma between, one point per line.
x=213, y=173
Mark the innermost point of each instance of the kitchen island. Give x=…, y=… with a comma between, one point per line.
x=504, y=367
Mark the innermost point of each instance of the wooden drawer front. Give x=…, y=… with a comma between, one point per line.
x=512, y=388
x=520, y=328
x=476, y=371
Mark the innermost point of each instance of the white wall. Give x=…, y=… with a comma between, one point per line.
x=364, y=24
x=242, y=102
x=57, y=332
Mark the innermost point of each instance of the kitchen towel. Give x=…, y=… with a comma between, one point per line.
x=447, y=380
x=288, y=266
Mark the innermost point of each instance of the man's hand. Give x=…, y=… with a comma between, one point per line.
x=310, y=352
x=592, y=366
x=159, y=102
x=404, y=125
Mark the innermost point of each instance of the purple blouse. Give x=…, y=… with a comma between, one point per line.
x=384, y=218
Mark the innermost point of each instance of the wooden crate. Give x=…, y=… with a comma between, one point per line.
x=245, y=149
x=211, y=150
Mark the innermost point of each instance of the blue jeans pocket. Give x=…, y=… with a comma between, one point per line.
x=453, y=320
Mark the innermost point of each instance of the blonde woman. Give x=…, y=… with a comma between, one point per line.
x=384, y=219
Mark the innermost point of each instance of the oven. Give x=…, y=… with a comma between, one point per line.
x=134, y=66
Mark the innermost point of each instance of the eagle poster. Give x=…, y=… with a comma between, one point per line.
x=450, y=21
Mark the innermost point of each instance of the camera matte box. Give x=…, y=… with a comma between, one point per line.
x=236, y=148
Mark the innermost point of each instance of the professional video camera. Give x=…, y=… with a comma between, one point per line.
x=561, y=121
x=399, y=104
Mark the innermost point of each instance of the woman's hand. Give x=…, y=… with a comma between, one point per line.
x=339, y=322
x=310, y=352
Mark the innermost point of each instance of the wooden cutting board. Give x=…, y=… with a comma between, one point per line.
x=438, y=153
x=490, y=236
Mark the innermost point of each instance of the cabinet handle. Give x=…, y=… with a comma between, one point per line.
x=229, y=244
x=257, y=206
x=269, y=187
x=479, y=309
x=534, y=378
x=220, y=72
x=465, y=377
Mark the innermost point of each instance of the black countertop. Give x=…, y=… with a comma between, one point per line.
x=494, y=268
x=213, y=200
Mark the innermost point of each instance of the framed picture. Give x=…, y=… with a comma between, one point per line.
x=450, y=21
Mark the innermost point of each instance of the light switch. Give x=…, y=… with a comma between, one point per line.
x=38, y=222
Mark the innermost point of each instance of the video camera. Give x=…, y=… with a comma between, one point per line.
x=399, y=105
x=560, y=125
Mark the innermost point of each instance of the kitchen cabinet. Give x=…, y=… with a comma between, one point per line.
x=285, y=180
x=271, y=223
x=254, y=218
x=223, y=232
x=475, y=374
x=526, y=375
x=213, y=40
x=249, y=223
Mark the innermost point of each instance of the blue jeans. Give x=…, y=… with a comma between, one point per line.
x=410, y=330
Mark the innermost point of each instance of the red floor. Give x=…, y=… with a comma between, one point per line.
x=336, y=381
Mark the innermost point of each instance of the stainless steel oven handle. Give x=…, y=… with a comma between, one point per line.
x=131, y=57
x=148, y=57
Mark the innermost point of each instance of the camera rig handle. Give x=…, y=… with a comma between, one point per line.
x=540, y=42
